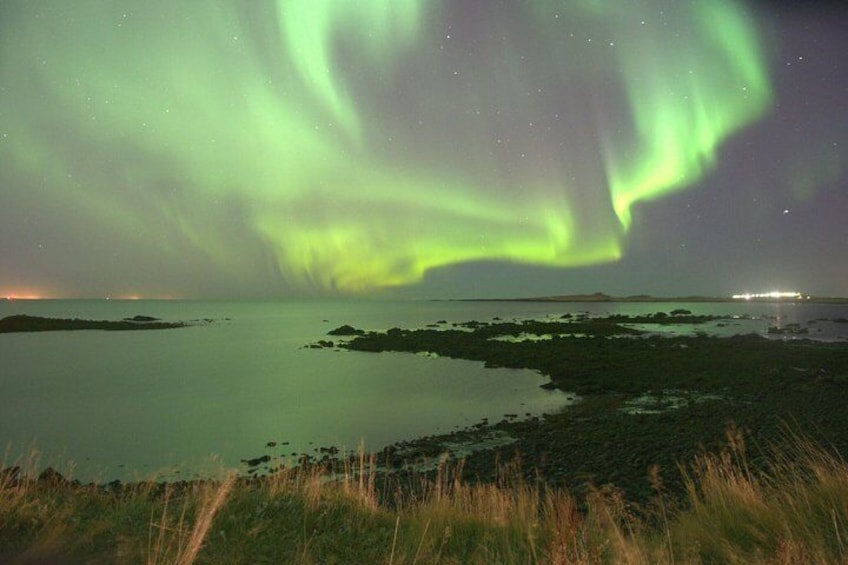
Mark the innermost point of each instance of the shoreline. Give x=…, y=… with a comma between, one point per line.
x=691, y=389
x=599, y=297
x=648, y=403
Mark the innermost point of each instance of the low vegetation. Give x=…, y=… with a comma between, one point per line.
x=794, y=509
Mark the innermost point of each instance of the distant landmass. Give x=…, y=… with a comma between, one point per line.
x=601, y=297
x=24, y=323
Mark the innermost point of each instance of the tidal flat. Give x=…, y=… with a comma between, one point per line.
x=648, y=401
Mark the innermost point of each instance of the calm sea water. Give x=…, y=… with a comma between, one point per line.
x=105, y=405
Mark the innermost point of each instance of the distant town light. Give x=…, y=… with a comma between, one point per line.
x=22, y=296
x=772, y=294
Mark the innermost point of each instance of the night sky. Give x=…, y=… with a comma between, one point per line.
x=422, y=148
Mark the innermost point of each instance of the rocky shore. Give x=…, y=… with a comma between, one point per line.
x=648, y=403
x=648, y=400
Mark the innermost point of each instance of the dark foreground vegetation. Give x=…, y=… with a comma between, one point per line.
x=679, y=450
x=791, y=509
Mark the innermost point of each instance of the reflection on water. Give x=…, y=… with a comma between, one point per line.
x=121, y=404
x=125, y=404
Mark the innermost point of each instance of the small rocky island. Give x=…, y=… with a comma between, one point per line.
x=25, y=323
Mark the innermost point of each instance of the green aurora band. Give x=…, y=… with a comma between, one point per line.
x=332, y=145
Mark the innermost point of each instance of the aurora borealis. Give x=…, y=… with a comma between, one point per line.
x=433, y=148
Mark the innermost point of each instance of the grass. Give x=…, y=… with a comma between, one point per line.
x=791, y=508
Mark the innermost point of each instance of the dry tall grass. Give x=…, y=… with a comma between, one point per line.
x=794, y=509
x=180, y=541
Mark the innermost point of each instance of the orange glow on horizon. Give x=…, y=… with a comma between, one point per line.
x=23, y=296
x=143, y=297
x=36, y=294
x=25, y=293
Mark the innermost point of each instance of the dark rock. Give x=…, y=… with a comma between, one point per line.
x=51, y=476
x=140, y=318
x=255, y=462
x=346, y=330
x=788, y=329
x=24, y=323
x=10, y=475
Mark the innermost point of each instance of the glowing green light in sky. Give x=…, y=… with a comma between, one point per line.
x=685, y=99
x=310, y=27
x=338, y=145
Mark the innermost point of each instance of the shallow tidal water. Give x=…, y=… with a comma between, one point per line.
x=186, y=402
